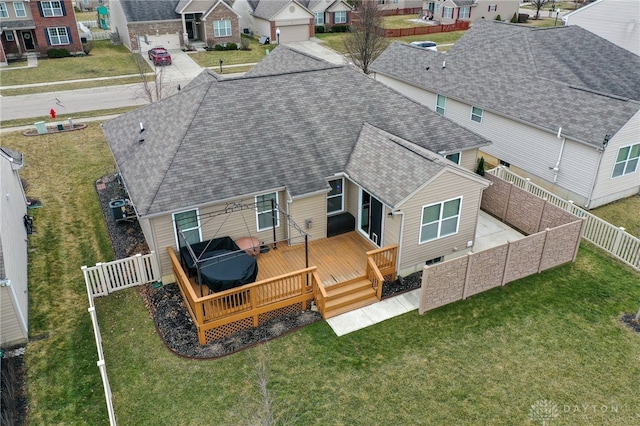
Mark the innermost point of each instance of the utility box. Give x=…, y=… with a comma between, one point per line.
x=264, y=40
x=41, y=127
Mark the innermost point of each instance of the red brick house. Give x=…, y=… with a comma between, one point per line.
x=37, y=26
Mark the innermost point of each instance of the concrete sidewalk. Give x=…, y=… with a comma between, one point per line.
x=490, y=233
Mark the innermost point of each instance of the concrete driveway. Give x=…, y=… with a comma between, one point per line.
x=182, y=69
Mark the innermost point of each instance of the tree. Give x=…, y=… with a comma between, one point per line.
x=364, y=43
x=152, y=84
x=538, y=5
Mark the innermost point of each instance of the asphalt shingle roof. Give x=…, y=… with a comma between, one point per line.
x=554, y=77
x=150, y=10
x=287, y=60
x=227, y=138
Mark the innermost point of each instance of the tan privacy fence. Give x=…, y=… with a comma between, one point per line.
x=554, y=239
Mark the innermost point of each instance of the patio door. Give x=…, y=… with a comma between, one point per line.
x=370, y=217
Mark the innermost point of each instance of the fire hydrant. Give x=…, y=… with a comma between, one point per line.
x=52, y=113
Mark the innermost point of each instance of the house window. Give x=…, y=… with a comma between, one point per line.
x=319, y=18
x=433, y=261
x=264, y=213
x=9, y=36
x=439, y=220
x=627, y=160
x=493, y=7
x=464, y=12
x=335, y=198
x=4, y=13
x=396, y=1
x=476, y=114
x=51, y=8
x=437, y=10
x=222, y=28
x=447, y=12
x=20, y=10
x=187, y=227
x=58, y=36
x=455, y=157
x=340, y=17
x=441, y=103
x=380, y=1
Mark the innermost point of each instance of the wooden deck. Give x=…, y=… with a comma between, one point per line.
x=340, y=258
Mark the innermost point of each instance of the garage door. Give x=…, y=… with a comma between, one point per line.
x=168, y=41
x=294, y=33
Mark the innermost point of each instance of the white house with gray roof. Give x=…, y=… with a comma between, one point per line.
x=561, y=105
x=450, y=11
x=328, y=144
x=14, y=297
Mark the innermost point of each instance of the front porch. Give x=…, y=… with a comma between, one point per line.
x=345, y=272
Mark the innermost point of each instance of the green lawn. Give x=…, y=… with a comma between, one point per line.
x=105, y=60
x=232, y=57
x=625, y=213
x=335, y=41
x=486, y=360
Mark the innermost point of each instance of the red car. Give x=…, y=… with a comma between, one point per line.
x=159, y=56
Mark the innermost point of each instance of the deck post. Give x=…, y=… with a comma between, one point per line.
x=273, y=222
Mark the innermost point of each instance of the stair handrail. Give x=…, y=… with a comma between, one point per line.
x=319, y=292
x=375, y=276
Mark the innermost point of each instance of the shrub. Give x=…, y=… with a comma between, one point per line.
x=340, y=29
x=232, y=46
x=498, y=18
x=58, y=53
x=480, y=168
x=514, y=18
x=320, y=29
x=218, y=47
x=245, y=42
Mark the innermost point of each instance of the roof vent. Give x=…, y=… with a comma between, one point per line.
x=444, y=64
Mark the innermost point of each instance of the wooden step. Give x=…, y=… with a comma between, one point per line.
x=348, y=296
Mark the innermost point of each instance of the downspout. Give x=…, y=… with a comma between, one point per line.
x=556, y=168
x=401, y=213
x=289, y=202
x=593, y=182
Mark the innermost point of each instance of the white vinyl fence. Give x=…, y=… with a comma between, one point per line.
x=105, y=278
x=614, y=240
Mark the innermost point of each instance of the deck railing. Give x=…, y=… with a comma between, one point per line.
x=612, y=239
x=105, y=278
x=220, y=314
x=381, y=263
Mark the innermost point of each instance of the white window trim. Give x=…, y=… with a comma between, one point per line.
x=4, y=9
x=447, y=12
x=175, y=225
x=444, y=107
x=318, y=18
x=51, y=9
x=479, y=120
x=57, y=35
x=222, y=30
x=341, y=13
x=265, y=211
x=16, y=9
x=626, y=161
x=466, y=15
x=9, y=37
x=442, y=203
x=341, y=195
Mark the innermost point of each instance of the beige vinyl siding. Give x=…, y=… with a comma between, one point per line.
x=609, y=189
x=445, y=187
x=530, y=149
x=351, y=200
x=391, y=227
x=198, y=6
x=313, y=208
x=13, y=332
x=468, y=159
x=13, y=237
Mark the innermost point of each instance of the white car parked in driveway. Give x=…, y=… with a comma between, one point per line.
x=431, y=45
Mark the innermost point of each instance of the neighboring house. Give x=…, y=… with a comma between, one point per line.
x=34, y=27
x=324, y=141
x=404, y=6
x=561, y=105
x=328, y=14
x=90, y=5
x=173, y=24
x=14, y=300
x=615, y=20
x=265, y=17
x=450, y=11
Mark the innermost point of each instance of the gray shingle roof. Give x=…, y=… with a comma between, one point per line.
x=284, y=60
x=233, y=137
x=149, y=10
x=555, y=77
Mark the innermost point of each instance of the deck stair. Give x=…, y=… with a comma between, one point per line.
x=348, y=295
